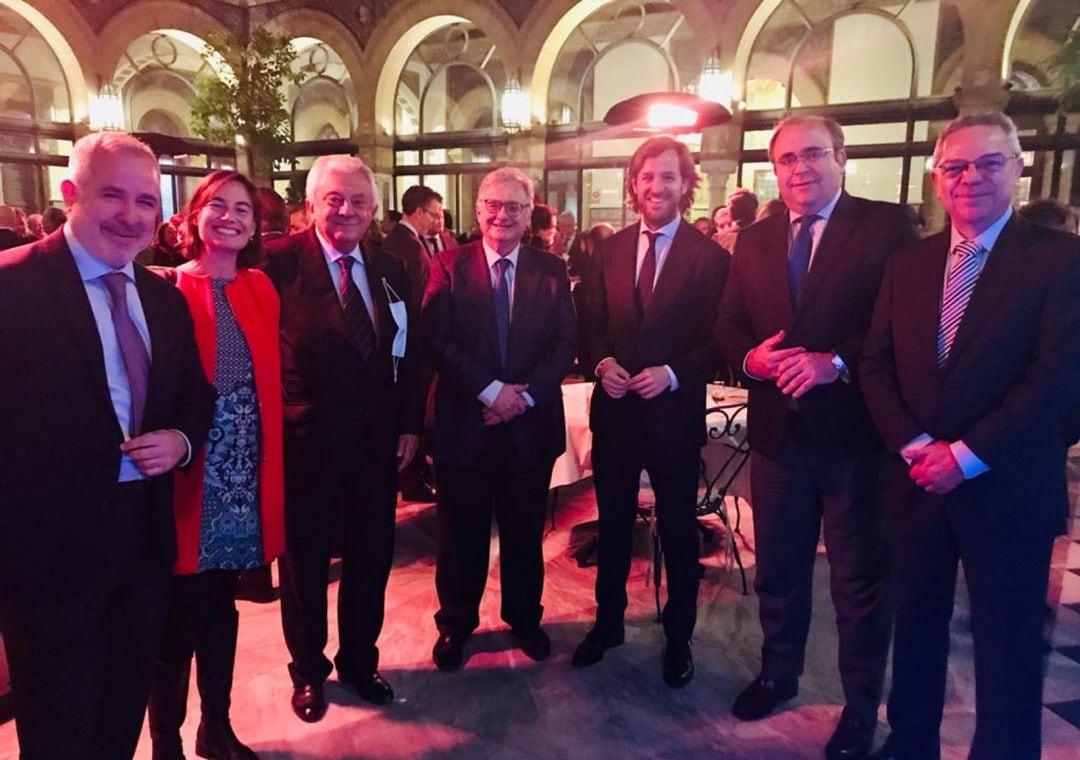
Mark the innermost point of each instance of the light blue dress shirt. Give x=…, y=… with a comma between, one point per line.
x=358, y=272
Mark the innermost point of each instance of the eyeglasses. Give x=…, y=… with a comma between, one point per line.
x=810, y=156
x=512, y=208
x=989, y=164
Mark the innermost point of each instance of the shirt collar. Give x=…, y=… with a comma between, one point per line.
x=987, y=237
x=668, y=230
x=492, y=255
x=825, y=212
x=332, y=254
x=90, y=267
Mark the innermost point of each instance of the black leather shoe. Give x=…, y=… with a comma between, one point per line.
x=534, y=643
x=851, y=740
x=761, y=697
x=308, y=702
x=449, y=652
x=215, y=740
x=678, y=665
x=373, y=689
x=597, y=641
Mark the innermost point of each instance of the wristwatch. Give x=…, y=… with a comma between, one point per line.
x=841, y=368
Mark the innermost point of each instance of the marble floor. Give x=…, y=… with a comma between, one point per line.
x=503, y=706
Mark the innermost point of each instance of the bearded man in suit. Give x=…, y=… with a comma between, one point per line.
x=649, y=309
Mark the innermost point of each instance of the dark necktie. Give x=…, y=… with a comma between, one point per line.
x=132, y=349
x=357, y=319
x=433, y=244
x=958, y=286
x=502, y=306
x=647, y=273
x=799, y=260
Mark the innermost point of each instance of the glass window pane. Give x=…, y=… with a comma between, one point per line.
x=603, y=196
x=874, y=178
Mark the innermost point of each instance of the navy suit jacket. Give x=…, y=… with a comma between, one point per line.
x=459, y=326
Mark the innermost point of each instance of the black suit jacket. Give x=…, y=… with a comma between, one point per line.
x=60, y=440
x=1011, y=383
x=403, y=243
x=832, y=314
x=459, y=325
x=676, y=331
x=329, y=392
x=9, y=238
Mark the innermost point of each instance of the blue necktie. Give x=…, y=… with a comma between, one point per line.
x=961, y=280
x=502, y=306
x=799, y=260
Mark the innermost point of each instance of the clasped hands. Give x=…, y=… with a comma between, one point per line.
x=508, y=404
x=794, y=370
x=649, y=383
x=934, y=468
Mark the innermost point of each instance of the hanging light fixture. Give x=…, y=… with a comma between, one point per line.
x=715, y=84
x=106, y=109
x=514, y=106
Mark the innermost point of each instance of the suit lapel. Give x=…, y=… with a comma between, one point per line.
x=477, y=284
x=155, y=328
x=925, y=301
x=526, y=282
x=380, y=304
x=1004, y=267
x=319, y=290
x=674, y=273
x=831, y=248
x=620, y=280
x=772, y=266
x=71, y=298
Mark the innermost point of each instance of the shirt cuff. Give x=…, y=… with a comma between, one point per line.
x=671, y=375
x=187, y=458
x=913, y=445
x=528, y=399
x=487, y=396
x=747, y=372
x=970, y=464
x=596, y=369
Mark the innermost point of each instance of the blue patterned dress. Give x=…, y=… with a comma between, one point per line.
x=230, y=536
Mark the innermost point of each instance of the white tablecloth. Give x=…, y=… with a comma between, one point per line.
x=576, y=461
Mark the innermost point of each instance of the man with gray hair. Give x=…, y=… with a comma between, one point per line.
x=352, y=414
x=970, y=370
x=500, y=329
x=101, y=394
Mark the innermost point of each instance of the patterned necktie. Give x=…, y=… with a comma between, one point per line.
x=648, y=272
x=960, y=282
x=502, y=306
x=357, y=320
x=799, y=260
x=132, y=349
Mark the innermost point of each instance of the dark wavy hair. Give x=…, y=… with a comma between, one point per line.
x=251, y=255
x=652, y=148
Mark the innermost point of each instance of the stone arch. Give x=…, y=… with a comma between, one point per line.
x=398, y=34
x=64, y=29
x=147, y=16
x=563, y=16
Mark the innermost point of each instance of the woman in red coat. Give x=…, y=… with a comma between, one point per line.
x=229, y=504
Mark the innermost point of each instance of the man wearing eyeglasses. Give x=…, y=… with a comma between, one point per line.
x=500, y=328
x=793, y=317
x=649, y=306
x=352, y=414
x=971, y=370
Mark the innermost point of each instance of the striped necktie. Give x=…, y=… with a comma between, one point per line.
x=959, y=284
x=357, y=320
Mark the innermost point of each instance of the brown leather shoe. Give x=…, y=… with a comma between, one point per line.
x=308, y=702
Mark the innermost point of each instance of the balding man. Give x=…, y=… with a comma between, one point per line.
x=352, y=414
x=101, y=393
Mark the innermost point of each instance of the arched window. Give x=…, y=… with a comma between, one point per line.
x=33, y=83
x=157, y=76
x=450, y=83
x=324, y=104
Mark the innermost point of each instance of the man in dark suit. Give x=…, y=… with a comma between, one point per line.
x=101, y=396
x=351, y=416
x=793, y=317
x=971, y=369
x=650, y=306
x=500, y=327
x=422, y=213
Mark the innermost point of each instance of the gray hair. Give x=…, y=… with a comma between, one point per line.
x=340, y=163
x=108, y=142
x=508, y=175
x=991, y=119
x=832, y=126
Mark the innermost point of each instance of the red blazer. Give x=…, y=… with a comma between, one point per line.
x=257, y=309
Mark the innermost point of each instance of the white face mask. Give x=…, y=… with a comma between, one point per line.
x=400, y=315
